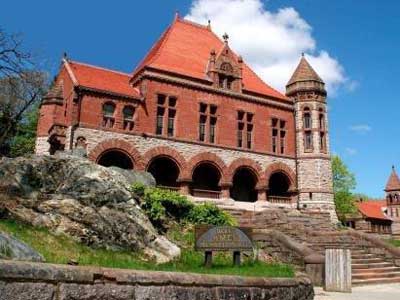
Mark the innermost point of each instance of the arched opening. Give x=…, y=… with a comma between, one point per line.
x=115, y=158
x=279, y=184
x=205, y=181
x=165, y=171
x=244, y=183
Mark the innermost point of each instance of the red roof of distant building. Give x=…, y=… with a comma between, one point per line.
x=106, y=80
x=185, y=48
x=373, y=209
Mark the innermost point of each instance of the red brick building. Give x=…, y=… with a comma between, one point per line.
x=200, y=120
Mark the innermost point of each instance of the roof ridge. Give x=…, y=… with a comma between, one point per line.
x=189, y=22
x=99, y=68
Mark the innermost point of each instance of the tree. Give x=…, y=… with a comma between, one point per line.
x=24, y=140
x=343, y=183
x=22, y=85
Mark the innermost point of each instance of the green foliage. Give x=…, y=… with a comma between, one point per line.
x=24, y=140
x=343, y=183
x=209, y=213
x=343, y=179
x=161, y=206
x=60, y=249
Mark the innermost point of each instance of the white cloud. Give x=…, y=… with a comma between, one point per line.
x=351, y=151
x=361, y=128
x=270, y=42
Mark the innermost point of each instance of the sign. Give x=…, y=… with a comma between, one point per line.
x=223, y=238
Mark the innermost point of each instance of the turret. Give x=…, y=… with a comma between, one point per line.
x=314, y=170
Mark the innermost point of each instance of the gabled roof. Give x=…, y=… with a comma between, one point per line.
x=393, y=183
x=101, y=79
x=373, y=209
x=304, y=72
x=184, y=49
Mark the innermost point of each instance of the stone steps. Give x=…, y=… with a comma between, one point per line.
x=375, y=270
x=359, y=282
x=371, y=265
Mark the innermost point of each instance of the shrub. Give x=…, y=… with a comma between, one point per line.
x=162, y=206
x=209, y=213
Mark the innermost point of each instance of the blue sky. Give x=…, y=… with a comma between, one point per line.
x=360, y=38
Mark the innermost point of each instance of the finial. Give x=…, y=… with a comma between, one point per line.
x=225, y=37
x=176, y=14
x=209, y=24
x=302, y=54
x=65, y=56
x=392, y=167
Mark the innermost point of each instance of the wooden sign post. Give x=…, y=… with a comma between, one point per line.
x=223, y=238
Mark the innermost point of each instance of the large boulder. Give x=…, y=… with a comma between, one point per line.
x=73, y=195
x=11, y=248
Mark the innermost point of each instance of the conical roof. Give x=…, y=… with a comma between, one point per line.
x=304, y=72
x=393, y=183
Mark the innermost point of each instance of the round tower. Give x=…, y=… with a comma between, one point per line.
x=314, y=170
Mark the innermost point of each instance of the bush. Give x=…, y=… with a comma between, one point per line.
x=209, y=213
x=162, y=206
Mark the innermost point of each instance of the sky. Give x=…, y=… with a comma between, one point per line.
x=353, y=45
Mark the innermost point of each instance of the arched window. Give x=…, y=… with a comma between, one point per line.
x=307, y=118
x=226, y=67
x=321, y=120
x=108, y=114
x=128, y=113
x=225, y=82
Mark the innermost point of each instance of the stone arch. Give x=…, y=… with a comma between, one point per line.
x=205, y=157
x=249, y=164
x=164, y=151
x=120, y=145
x=280, y=167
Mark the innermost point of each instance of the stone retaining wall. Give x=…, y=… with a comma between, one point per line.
x=23, y=280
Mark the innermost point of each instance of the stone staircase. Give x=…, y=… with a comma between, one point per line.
x=314, y=231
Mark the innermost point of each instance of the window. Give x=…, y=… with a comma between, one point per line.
x=322, y=145
x=208, y=119
x=321, y=121
x=225, y=82
x=108, y=115
x=278, y=141
x=166, y=108
x=128, y=113
x=244, y=124
x=307, y=118
x=308, y=145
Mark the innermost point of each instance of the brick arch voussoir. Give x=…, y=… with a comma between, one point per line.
x=117, y=144
x=203, y=158
x=285, y=169
x=164, y=151
x=249, y=164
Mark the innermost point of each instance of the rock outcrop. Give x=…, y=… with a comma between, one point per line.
x=75, y=196
x=11, y=248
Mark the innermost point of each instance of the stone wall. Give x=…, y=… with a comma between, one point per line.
x=21, y=280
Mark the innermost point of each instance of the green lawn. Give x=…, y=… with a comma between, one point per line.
x=61, y=248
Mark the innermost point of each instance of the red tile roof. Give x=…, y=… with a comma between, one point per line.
x=106, y=80
x=393, y=183
x=184, y=48
x=373, y=209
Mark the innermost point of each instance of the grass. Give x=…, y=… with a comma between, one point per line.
x=60, y=249
x=395, y=243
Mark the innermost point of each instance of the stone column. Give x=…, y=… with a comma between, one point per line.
x=184, y=187
x=262, y=194
x=225, y=187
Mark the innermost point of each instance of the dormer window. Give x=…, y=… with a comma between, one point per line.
x=225, y=82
